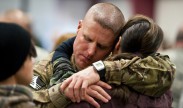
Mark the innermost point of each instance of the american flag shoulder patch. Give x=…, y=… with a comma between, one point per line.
x=37, y=83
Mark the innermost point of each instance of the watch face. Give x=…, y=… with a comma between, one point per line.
x=99, y=65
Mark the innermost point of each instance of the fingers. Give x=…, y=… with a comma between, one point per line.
x=101, y=91
x=68, y=88
x=77, y=90
x=104, y=85
x=90, y=100
x=65, y=83
x=71, y=90
x=83, y=89
x=69, y=95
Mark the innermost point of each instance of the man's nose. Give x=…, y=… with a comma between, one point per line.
x=91, y=49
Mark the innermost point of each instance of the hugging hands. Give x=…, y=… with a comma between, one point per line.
x=86, y=85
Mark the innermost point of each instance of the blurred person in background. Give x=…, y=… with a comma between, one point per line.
x=16, y=66
x=176, y=56
x=21, y=18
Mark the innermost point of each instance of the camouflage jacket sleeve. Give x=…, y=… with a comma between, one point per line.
x=62, y=69
x=151, y=76
x=50, y=98
x=45, y=96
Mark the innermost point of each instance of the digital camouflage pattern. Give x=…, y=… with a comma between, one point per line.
x=62, y=69
x=15, y=96
x=143, y=75
x=151, y=76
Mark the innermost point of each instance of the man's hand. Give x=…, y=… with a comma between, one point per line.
x=93, y=91
x=78, y=82
x=97, y=91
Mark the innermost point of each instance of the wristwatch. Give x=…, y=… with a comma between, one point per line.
x=100, y=68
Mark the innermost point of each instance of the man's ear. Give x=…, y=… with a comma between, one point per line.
x=117, y=47
x=79, y=25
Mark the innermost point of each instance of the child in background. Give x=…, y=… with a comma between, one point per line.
x=16, y=64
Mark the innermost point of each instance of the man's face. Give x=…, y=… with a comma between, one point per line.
x=93, y=43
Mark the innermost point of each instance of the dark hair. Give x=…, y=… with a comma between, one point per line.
x=141, y=36
x=15, y=46
x=32, y=51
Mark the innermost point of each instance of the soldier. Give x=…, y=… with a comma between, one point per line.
x=16, y=63
x=103, y=22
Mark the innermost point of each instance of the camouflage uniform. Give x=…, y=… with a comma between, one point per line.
x=45, y=96
x=151, y=76
x=16, y=96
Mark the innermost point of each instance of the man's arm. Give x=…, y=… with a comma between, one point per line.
x=54, y=98
x=151, y=76
x=62, y=67
x=51, y=97
x=43, y=95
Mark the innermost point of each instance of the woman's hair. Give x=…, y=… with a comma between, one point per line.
x=141, y=35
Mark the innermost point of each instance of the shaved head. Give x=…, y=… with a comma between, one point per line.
x=107, y=15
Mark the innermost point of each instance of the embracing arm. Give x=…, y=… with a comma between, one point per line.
x=53, y=97
x=62, y=67
x=151, y=76
x=43, y=95
x=47, y=73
